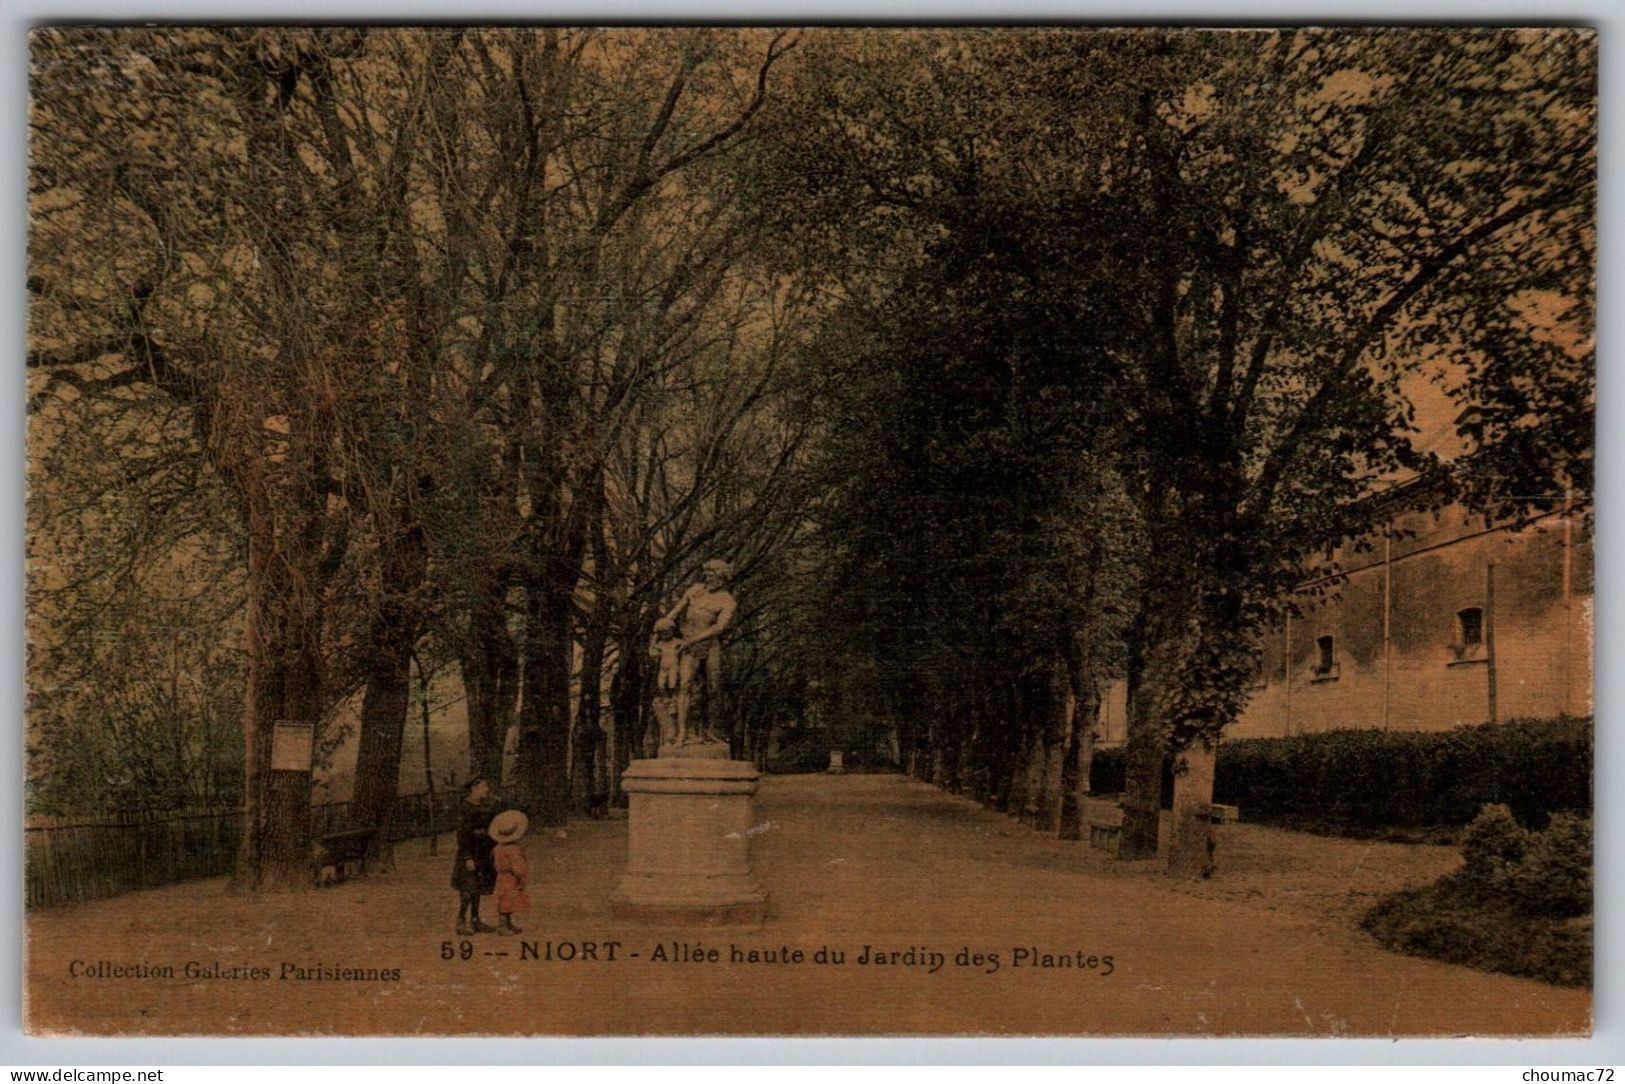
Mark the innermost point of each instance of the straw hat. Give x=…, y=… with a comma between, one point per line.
x=508, y=826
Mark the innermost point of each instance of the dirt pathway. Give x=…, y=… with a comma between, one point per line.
x=862, y=866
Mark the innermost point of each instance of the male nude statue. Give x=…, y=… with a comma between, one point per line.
x=702, y=616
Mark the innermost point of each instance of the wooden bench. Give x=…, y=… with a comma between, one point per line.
x=1105, y=837
x=1106, y=825
x=336, y=852
x=1106, y=829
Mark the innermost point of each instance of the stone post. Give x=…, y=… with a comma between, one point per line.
x=1191, y=851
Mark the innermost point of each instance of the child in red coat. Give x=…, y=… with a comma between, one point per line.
x=507, y=829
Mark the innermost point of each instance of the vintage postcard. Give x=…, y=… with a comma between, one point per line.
x=711, y=531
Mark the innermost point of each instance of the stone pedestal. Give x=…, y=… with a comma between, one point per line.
x=699, y=750
x=690, y=819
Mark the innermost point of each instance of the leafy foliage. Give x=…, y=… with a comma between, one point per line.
x=1493, y=846
x=999, y=364
x=1521, y=902
x=1217, y=274
x=1438, y=922
x=1554, y=877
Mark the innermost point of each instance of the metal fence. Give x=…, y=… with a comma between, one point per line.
x=72, y=863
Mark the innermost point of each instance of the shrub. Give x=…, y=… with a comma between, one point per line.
x=1520, y=904
x=1440, y=923
x=1491, y=850
x=1554, y=877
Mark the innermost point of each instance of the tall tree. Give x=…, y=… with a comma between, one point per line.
x=615, y=248
x=209, y=252
x=1266, y=245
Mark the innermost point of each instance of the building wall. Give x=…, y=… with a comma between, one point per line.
x=1422, y=678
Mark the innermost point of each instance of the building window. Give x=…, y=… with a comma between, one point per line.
x=1257, y=679
x=1468, y=646
x=1325, y=660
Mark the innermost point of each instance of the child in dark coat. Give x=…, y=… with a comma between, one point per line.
x=473, y=874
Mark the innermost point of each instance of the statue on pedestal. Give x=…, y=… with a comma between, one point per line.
x=700, y=617
x=689, y=811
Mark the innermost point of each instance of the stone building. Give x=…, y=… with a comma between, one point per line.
x=1442, y=620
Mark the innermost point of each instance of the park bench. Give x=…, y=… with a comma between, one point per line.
x=1106, y=825
x=1105, y=828
x=336, y=852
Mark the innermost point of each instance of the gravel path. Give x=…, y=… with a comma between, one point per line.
x=867, y=866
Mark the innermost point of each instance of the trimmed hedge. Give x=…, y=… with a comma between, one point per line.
x=1372, y=782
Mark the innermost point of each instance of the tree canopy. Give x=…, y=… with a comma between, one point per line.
x=1000, y=364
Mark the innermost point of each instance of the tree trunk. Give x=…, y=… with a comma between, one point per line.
x=276, y=839
x=1151, y=651
x=945, y=760
x=1004, y=748
x=542, y=770
x=283, y=686
x=1142, y=800
x=489, y=663
x=931, y=755
x=908, y=737
x=626, y=706
x=1053, y=730
x=971, y=770
x=384, y=706
x=387, y=698
x=1080, y=743
x=428, y=760
x=1012, y=737
x=1016, y=781
x=590, y=745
